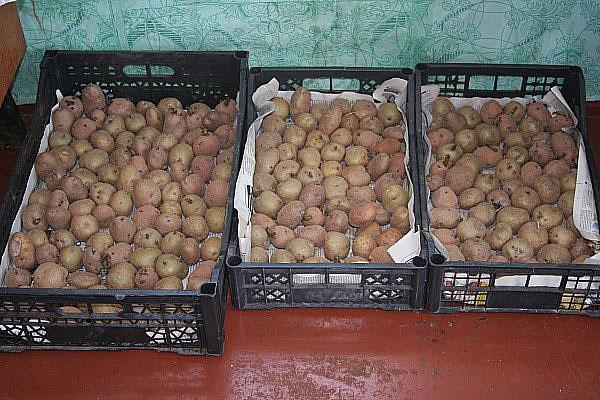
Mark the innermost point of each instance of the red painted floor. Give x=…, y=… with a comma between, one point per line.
x=338, y=354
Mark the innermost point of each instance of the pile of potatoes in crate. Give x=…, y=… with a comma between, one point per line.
x=503, y=183
x=329, y=182
x=130, y=196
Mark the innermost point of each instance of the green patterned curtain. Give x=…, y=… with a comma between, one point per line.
x=394, y=33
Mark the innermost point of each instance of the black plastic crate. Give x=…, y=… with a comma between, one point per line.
x=384, y=286
x=471, y=286
x=179, y=321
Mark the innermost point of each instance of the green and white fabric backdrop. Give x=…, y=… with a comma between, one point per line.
x=393, y=33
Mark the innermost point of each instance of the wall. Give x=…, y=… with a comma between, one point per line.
x=344, y=32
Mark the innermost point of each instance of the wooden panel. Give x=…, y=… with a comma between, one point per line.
x=12, y=46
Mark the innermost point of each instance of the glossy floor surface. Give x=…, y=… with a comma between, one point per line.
x=338, y=354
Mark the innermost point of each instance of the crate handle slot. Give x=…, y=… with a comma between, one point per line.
x=148, y=70
x=331, y=84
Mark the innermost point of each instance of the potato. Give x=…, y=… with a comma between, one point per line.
x=556, y=169
x=280, y=236
x=361, y=215
x=567, y=183
x=565, y=203
x=291, y=214
x=455, y=121
x=434, y=182
x=378, y=165
x=40, y=196
x=515, y=249
x=37, y=237
x=499, y=198
x=488, y=156
x=361, y=194
x=471, y=161
x=286, y=169
x=476, y=249
x=363, y=245
x=438, y=168
x=331, y=119
x=513, y=216
x=121, y=276
x=498, y=235
x=445, y=236
x=547, y=216
x=144, y=257
x=470, y=228
x=336, y=220
x=17, y=277
x=508, y=168
x=171, y=243
x=83, y=279
x=564, y=148
x=34, y=217
x=50, y=275
x=170, y=283
x=268, y=140
x=440, y=137
x=554, y=254
x=314, y=233
x=195, y=226
x=58, y=217
x=484, y=212
x=49, y=167
x=268, y=203
x=216, y=192
x=467, y=199
x=395, y=196
x=367, y=139
x=364, y=108
x=22, y=251
x=286, y=151
x=62, y=238
x=517, y=153
x=104, y=214
x=454, y=253
x=525, y=198
x=379, y=255
x=63, y=119
x=210, y=248
x=258, y=254
x=66, y=156
x=547, y=188
x=341, y=136
x=467, y=140
x=59, y=138
x=350, y=122
x=282, y=108
x=336, y=246
x=308, y=123
x=541, y=153
x=445, y=217
x=562, y=236
x=459, y=178
x=122, y=229
x=372, y=124
x=442, y=197
x=215, y=219
x=192, y=204
x=300, y=101
x=84, y=226
x=166, y=223
x=511, y=186
x=92, y=260
x=472, y=116
x=313, y=216
x=300, y=248
x=172, y=192
x=389, y=114
x=170, y=265
x=394, y=132
x=311, y=195
x=580, y=248
x=108, y=173
x=487, y=183
x=100, y=241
